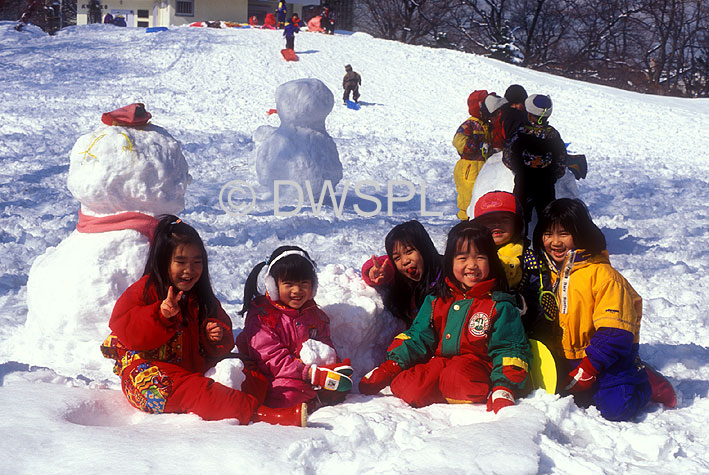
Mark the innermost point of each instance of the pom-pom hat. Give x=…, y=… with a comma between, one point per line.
x=538, y=105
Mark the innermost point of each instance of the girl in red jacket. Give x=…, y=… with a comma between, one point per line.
x=168, y=329
x=282, y=319
x=467, y=344
x=408, y=272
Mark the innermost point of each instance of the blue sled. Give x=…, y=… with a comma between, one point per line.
x=155, y=29
x=352, y=105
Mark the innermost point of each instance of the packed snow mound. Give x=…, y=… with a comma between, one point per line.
x=229, y=372
x=360, y=327
x=116, y=169
x=300, y=149
x=495, y=176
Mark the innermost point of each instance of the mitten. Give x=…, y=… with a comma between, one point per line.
x=582, y=378
x=499, y=398
x=379, y=377
x=334, y=377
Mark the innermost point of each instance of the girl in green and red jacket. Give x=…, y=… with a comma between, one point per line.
x=467, y=343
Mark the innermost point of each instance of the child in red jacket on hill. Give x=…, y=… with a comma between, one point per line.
x=168, y=328
x=467, y=344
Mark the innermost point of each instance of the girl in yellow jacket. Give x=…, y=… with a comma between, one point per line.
x=599, y=317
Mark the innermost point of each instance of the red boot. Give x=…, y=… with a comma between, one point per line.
x=662, y=390
x=283, y=416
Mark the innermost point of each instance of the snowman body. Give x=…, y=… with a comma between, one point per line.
x=72, y=288
x=300, y=149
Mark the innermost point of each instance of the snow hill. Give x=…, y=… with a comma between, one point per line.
x=647, y=188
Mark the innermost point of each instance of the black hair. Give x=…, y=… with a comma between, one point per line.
x=573, y=216
x=403, y=290
x=292, y=267
x=170, y=233
x=460, y=237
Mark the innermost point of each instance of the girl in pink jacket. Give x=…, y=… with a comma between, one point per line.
x=283, y=323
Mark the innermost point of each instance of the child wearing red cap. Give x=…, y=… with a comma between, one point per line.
x=501, y=213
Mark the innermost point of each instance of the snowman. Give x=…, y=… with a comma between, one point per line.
x=124, y=174
x=300, y=149
x=495, y=176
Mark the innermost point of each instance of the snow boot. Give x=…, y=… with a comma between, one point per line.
x=283, y=416
x=662, y=390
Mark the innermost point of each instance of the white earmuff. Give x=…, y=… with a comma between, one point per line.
x=270, y=283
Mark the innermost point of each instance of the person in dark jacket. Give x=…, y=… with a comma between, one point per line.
x=351, y=83
x=327, y=20
x=537, y=156
x=513, y=115
x=289, y=32
x=281, y=12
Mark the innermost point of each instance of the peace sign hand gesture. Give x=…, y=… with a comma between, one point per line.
x=170, y=306
x=379, y=273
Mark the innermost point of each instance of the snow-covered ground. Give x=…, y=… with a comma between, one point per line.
x=647, y=188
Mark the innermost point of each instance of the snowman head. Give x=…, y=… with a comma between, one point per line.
x=304, y=103
x=115, y=169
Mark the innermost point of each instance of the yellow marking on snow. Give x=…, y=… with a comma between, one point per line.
x=87, y=152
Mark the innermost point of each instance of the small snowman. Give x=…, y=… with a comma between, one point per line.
x=300, y=149
x=124, y=174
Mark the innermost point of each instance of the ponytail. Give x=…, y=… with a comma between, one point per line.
x=251, y=286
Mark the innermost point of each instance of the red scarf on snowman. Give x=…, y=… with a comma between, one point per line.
x=143, y=223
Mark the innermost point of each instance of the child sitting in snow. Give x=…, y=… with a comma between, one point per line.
x=599, y=312
x=288, y=335
x=501, y=213
x=168, y=329
x=467, y=338
x=408, y=272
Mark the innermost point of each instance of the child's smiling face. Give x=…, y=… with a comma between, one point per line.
x=408, y=261
x=557, y=242
x=501, y=224
x=294, y=294
x=185, y=266
x=470, y=266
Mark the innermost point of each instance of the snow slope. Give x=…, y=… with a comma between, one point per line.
x=647, y=189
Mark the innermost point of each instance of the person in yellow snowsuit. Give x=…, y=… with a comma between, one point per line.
x=472, y=141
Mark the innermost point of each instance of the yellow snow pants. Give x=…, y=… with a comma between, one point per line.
x=464, y=175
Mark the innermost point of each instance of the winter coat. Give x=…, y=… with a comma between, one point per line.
x=351, y=80
x=537, y=149
x=510, y=255
x=274, y=335
x=290, y=30
x=594, y=296
x=141, y=334
x=471, y=139
x=511, y=120
x=477, y=322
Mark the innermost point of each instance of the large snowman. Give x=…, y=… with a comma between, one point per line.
x=300, y=149
x=124, y=175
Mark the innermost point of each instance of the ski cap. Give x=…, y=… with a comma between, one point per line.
x=515, y=94
x=132, y=115
x=493, y=102
x=538, y=105
x=495, y=202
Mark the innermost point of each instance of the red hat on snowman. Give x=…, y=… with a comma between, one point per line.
x=133, y=115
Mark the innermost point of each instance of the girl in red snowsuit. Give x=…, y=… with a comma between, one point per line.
x=467, y=344
x=168, y=328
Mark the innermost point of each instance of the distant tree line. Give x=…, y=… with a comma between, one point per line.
x=656, y=46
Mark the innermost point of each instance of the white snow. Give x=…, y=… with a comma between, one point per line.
x=210, y=89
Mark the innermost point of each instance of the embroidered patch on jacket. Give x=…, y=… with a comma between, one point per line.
x=479, y=324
